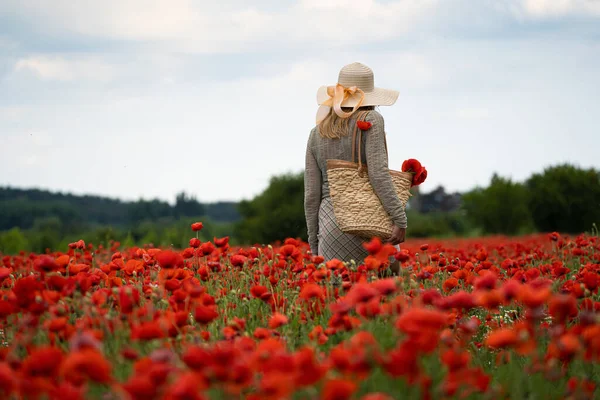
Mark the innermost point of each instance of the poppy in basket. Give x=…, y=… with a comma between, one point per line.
x=364, y=125
x=420, y=177
x=419, y=171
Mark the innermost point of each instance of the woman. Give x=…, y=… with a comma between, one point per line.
x=355, y=95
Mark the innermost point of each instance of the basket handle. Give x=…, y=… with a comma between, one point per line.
x=360, y=115
x=359, y=160
x=354, y=141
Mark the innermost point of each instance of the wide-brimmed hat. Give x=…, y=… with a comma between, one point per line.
x=355, y=88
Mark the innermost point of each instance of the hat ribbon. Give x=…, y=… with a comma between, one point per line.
x=337, y=95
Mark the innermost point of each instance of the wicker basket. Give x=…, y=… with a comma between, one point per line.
x=356, y=206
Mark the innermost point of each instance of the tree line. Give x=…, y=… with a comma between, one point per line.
x=23, y=207
x=34, y=220
x=562, y=198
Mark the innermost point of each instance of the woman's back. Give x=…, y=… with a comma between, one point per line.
x=374, y=155
x=373, y=150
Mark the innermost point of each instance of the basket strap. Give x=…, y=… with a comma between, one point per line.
x=359, y=158
x=360, y=116
x=354, y=143
x=359, y=152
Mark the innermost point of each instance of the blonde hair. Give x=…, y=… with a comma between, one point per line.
x=335, y=127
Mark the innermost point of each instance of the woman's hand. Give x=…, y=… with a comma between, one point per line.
x=398, y=235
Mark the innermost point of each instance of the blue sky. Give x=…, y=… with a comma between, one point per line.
x=133, y=99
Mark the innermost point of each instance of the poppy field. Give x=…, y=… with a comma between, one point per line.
x=490, y=318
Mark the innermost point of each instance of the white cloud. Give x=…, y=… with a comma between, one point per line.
x=26, y=149
x=559, y=8
x=357, y=5
x=59, y=68
x=26, y=140
x=125, y=19
x=11, y=113
x=40, y=139
x=355, y=21
x=212, y=27
x=472, y=113
x=28, y=160
x=7, y=43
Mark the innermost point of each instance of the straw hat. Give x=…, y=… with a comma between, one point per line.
x=355, y=88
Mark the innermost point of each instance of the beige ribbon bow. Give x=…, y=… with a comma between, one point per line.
x=337, y=95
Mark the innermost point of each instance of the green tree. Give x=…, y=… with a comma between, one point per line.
x=275, y=214
x=223, y=211
x=502, y=207
x=13, y=241
x=565, y=198
x=438, y=224
x=148, y=210
x=187, y=206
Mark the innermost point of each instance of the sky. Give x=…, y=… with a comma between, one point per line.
x=144, y=99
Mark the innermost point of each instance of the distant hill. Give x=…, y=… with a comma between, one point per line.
x=24, y=208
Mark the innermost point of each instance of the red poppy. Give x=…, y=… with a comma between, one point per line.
x=238, y=260
x=420, y=177
x=140, y=387
x=364, y=125
x=362, y=293
x=129, y=297
x=187, y=386
x=502, y=338
x=562, y=307
x=86, y=364
x=401, y=361
x=80, y=244
x=338, y=389
x=43, y=361
x=207, y=248
x=377, y=396
x=277, y=320
x=168, y=259
x=403, y=255
x=45, y=264
x=449, y=284
x=417, y=320
x=221, y=242
x=455, y=359
x=197, y=226
x=411, y=165
x=205, y=314
x=148, y=331
x=311, y=370
x=310, y=291
x=419, y=171
x=386, y=286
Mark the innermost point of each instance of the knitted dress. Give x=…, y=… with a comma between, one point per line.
x=324, y=235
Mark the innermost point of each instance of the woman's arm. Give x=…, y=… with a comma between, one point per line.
x=379, y=175
x=312, y=196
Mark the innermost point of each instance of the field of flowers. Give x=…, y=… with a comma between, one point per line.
x=495, y=318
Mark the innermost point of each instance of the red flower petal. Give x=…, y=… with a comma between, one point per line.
x=364, y=125
x=420, y=177
x=411, y=165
